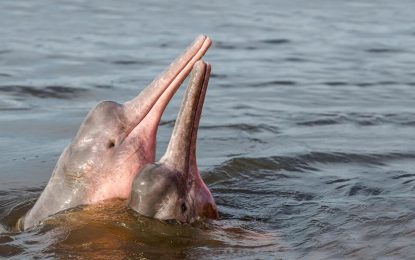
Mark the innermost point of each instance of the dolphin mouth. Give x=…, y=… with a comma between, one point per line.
x=149, y=105
x=181, y=151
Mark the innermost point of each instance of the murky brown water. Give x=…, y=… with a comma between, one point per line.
x=306, y=141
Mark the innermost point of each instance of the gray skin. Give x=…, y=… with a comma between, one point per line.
x=113, y=143
x=172, y=188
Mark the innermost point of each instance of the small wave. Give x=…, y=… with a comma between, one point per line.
x=295, y=59
x=383, y=50
x=319, y=122
x=359, y=189
x=275, y=83
x=302, y=162
x=373, y=159
x=164, y=45
x=5, y=75
x=249, y=128
x=224, y=46
x=103, y=86
x=405, y=175
x=361, y=119
x=336, y=83
x=408, y=181
x=337, y=181
x=218, y=76
x=168, y=122
x=276, y=41
x=366, y=84
x=246, y=164
x=126, y=62
x=408, y=123
x=59, y=92
x=252, y=45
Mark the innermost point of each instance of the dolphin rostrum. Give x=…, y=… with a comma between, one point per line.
x=172, y=188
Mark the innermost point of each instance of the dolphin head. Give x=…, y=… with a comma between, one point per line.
x=173, y=188
x=113, y=143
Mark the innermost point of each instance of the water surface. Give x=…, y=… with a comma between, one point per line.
x=306, y=140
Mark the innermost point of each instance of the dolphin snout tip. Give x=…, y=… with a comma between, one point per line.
x=203, y=38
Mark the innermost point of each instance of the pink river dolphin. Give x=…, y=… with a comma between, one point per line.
x=172, y=187
x=112, y=145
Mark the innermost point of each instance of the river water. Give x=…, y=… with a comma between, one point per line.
x=306, y=140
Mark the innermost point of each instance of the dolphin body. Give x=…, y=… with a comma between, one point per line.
x=172, y=188
x=112, y=144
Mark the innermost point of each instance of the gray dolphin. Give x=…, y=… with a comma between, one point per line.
x=172, y=188
x=113, y=143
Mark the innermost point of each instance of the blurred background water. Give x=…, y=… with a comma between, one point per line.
x=306, y=140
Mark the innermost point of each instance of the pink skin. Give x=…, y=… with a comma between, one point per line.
x=113, y=143
x=172, y=188
x=200, y=202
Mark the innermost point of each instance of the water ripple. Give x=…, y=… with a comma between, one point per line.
x=59, y=92
x=249, y=128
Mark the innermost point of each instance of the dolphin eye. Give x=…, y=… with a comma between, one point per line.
x=111, y=144
x=184, y=207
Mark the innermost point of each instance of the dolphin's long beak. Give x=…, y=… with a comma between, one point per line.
x=152, y=101
x=181, y=151
x=173, y=188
